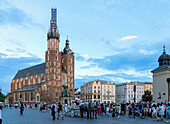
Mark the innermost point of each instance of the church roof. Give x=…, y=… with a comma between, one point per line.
x=28, y=88
x=27, y=72
x=160, y=68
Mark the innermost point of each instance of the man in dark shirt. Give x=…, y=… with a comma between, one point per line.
x=59, y=107
x=123, y=108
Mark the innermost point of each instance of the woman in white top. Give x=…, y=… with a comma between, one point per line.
x=161, y=111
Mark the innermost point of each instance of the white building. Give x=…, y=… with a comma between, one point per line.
x=108, y=92
x=125, y=92
x=102, y=91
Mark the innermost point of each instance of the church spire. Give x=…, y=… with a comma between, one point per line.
x=53, y=31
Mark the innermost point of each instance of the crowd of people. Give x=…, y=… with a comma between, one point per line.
x=152, y=110
x=157, y=111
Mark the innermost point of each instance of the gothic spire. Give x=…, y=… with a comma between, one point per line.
x=53, y=31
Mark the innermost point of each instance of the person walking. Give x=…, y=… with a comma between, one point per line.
x=113, y=110
x=118, y=111
x=89, y=108
x=168, y=112
x=59, y=109
x=53, y=110
x=107, y=110
x=161, y=111
x=102, y=108
x=21, y=108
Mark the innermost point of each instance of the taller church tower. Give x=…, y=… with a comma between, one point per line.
x=53, y=60
x=59, y=66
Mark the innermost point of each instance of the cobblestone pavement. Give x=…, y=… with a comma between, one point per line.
x=12, y=116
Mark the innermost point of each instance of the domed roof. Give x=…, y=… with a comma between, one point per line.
x=164, y=56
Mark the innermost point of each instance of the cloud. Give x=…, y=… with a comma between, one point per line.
x=127, y=38
x=147, y=52
x=9, y=67
x=10, y=15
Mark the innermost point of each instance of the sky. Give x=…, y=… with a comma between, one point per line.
x=113, y=40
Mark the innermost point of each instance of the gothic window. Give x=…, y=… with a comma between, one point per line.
x=16, y=98
x=52, y=44
x=70, y=68
x=26, y=97
x=29, y=81
x=39, y=79
x=23, y=81
x=63, y=79
x=70, y=60
x=63, y=60
x=20, y=84
x=37, y=97
x=32, y=97
x=34, y=79
x=15, y=85
x=20, y=96
x=56, y=58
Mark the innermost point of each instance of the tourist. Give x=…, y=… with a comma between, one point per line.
x=107, y=110
x=59, y=109
x=118, y=111
x=168, y=112
x=145, y=109
x=21, y=108
x=161, y=111
x=123, y=109
x=113, y=110
x=154, y=111
x=102, y=108
x=53, y=110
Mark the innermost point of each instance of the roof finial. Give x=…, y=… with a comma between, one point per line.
x=164, y=49
x=67, y=37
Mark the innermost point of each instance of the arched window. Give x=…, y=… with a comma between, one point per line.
x=23, y=81
x=15, y=85
x=63, y=79
x=70, y=60
x=26, y=96
x=16, y=97
x=29, y=83
x=32, y=96
x=39, y=79
x=37, y=97
x=63, y=60
x=20, y=84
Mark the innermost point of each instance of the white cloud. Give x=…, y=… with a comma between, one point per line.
x=127, y=38
x=146, y=52
x=117, y=74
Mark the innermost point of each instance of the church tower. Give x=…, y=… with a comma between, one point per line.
x=53, y=61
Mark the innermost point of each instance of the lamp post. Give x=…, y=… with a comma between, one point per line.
x=134, y=89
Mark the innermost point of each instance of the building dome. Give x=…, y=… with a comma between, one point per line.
x=164, y=59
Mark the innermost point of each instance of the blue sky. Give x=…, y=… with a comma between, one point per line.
x=114, y=40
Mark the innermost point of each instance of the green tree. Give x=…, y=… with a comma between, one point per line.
x=147, y=96
x=2, y=97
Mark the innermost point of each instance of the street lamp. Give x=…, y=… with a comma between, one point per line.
x=134, y=89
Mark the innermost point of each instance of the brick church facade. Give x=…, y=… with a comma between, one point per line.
x=43, y=82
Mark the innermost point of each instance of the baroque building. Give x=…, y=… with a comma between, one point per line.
x=98, y=90
x=43, y=82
